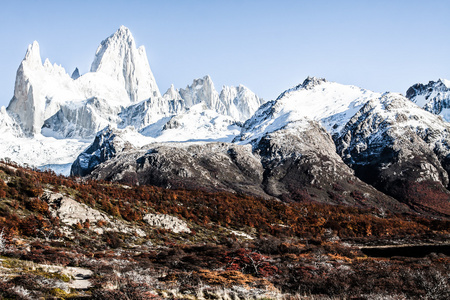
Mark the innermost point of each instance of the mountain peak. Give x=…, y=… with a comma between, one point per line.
x=311, y=82
x=75, y=74
x=202, y=90
x=123, y=29
x=433, y=97
x=123, y=34
x=118, y=57
x=445, y=82
x=308, y=83
x=172, y=93
x=33, y=54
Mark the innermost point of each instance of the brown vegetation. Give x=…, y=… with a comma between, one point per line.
x=297, y=247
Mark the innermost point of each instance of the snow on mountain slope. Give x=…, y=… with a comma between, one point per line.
x=9, y=128
x=148, y=112
x=433, y=97
x=118, y=57
x=81, y=119
x=43, y=152
x=198, y=123
x=330, y=103
x=391, y=118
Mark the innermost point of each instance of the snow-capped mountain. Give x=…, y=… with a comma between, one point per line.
x=402, y=150
x=39, y=91
x=329, y=103
x=119, y=91
x=202, y=90
x=433, y=97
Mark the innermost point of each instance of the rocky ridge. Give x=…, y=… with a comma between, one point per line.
x=433, y=97
x=287, y=164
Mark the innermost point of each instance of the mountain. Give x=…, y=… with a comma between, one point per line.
x=39, y=91
x=221, y=193
x=329, y=103
x=240, y=102
x=75, y=74
x=319, y=140
x=400, y=149
x=119, y=91
x=433, y=97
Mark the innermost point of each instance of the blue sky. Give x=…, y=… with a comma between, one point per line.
x=268, y=46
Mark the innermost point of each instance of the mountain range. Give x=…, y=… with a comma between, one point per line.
x=319, y=141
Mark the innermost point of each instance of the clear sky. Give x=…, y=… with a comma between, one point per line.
x=268, y=46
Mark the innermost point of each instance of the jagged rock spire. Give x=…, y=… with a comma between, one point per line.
x=118, y=57
x=75, y=74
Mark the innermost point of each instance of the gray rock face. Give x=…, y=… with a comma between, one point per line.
x=105, y=146
x=212, y=166
x=75, y=74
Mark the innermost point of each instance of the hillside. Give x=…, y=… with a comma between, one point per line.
x=142, y=242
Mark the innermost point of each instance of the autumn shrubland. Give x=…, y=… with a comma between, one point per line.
x=239, y=246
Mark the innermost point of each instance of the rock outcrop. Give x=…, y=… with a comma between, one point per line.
x=71, y=212
x=174, y=224
x=105, y=146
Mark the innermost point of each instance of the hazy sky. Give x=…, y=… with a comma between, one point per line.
x=269, y=46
